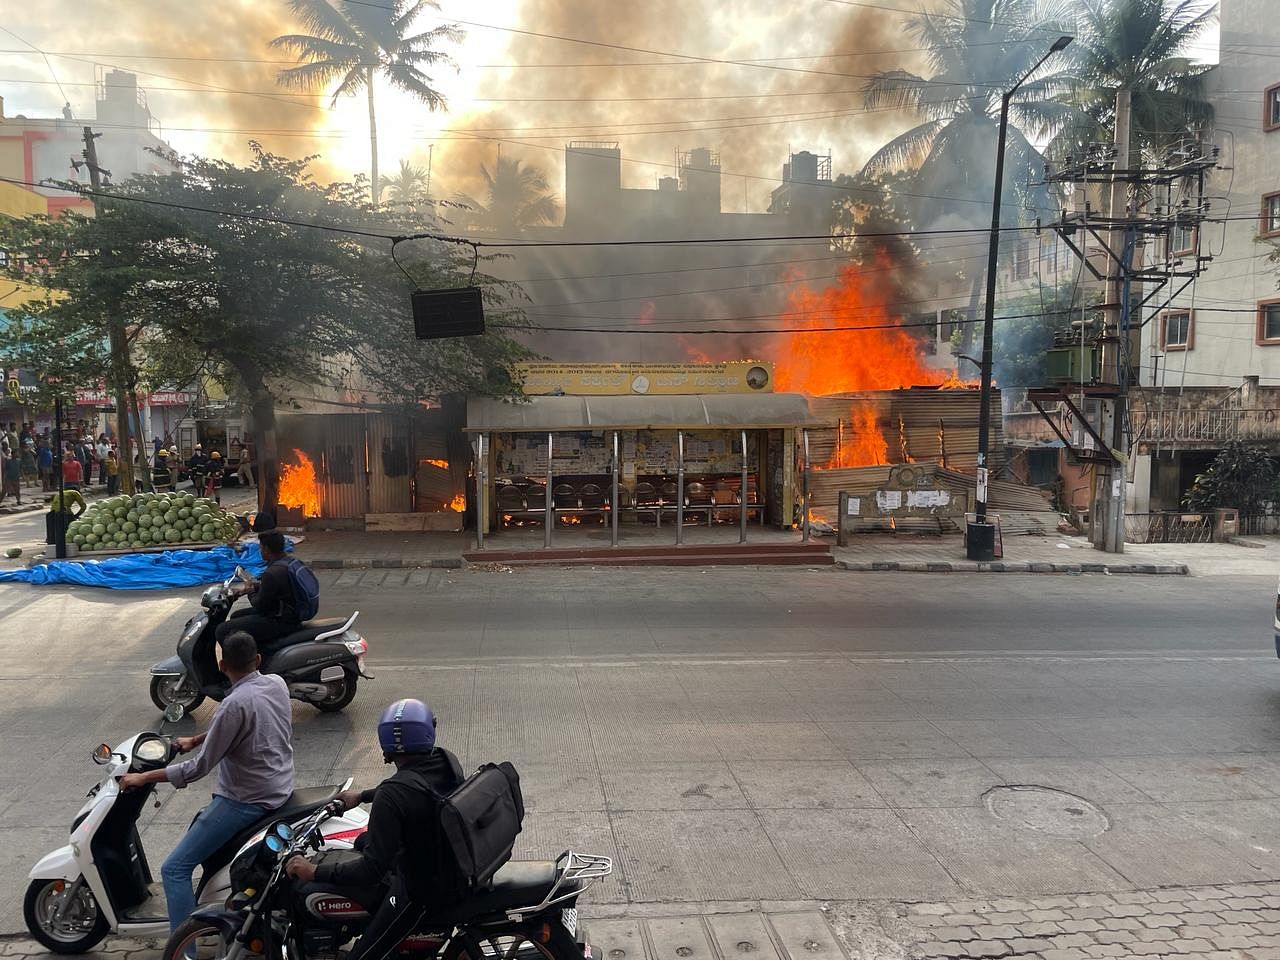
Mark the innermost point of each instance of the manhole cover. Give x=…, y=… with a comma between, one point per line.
x=1045, y=810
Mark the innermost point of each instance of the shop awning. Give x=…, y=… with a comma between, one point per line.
x=755, y=411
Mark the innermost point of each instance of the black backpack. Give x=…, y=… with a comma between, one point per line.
x=480, y=821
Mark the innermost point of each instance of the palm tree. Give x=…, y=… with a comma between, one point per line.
x=517, y=196
x=409, y=186
x=1140, y=46
x=353, y=41
x=976, y=50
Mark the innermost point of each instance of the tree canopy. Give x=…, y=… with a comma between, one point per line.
x=258, y=276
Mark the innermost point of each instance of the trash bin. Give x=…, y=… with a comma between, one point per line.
x=51, y=520
x=980, y=541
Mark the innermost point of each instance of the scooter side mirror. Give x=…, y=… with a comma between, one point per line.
x=174, y=712
x=101, y=754
x=241, y=573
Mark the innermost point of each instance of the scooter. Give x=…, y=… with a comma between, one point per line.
x=321, y=662
x=101, y=882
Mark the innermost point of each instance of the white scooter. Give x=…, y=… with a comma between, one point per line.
x=101, y=883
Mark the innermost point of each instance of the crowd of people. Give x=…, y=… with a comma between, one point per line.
x=28, y=457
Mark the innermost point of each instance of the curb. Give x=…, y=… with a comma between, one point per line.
x=348, y=563
x=1000, y=566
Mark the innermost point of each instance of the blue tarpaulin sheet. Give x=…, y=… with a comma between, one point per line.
x=145, y=571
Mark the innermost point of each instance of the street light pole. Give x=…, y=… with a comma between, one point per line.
x=980, y=536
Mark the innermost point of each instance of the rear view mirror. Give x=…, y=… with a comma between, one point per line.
x=241, y=573
x=101, y=754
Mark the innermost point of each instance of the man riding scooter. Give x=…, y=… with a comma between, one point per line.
x=403, y=846
x=250, y=742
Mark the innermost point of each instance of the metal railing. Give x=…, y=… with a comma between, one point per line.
x=1206, y=424
x=1169, y=527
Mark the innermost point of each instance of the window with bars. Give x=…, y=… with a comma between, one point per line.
x=1271, y=108
x=1182, y=240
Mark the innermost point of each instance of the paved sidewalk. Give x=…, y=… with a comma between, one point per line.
x=1258, y=556
x=1240, y=922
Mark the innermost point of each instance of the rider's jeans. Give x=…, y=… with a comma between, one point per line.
x=213, y=826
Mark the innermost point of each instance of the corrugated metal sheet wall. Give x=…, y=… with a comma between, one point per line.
x=342, y=475
x=390, y=464
x=927, y=425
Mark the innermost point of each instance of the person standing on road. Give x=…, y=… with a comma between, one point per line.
x=72, y=471
x=104, y=448
x=250, y=742
x=274, y=611
x=44, y=459
x=12, y=474
x=112, y=467
x=245, y=472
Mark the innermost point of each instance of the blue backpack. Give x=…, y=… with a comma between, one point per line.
x=306, y=590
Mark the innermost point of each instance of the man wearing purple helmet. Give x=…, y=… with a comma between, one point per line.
x=402, y=849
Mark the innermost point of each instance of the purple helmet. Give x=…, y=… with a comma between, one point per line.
x=407, y=727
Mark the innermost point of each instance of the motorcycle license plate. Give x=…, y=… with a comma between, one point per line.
x=570, y=920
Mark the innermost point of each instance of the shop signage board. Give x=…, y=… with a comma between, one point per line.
x=645, y=379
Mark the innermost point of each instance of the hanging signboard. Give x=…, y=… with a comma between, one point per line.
x=643, y=379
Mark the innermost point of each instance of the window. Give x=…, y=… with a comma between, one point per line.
x=1022, y=261
x=1271, y=215
x=1182, y=240
x=1175, y=330
x=1269, y=322
x=1271, y=108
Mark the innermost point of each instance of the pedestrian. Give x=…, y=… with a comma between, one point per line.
x=250, y=743
x=12, y=436
x=157, y=445
x=44, y=461
x=245, y=472
x=10, y=472
x=72, y=471
x=104, y=448
x=30, y=472
x=112, y=467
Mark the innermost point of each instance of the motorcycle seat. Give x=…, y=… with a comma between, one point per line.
x=309, y=632
x=519, y=883
x=300, y=803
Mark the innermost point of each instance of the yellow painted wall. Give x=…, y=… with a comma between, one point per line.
x=18, y=201
x=11, y=158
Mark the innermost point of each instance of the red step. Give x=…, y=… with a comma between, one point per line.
x=740, y=554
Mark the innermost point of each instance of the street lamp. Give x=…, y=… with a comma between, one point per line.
x=980, y=535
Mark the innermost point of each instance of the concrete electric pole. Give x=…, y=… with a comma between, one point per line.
x=117, y=336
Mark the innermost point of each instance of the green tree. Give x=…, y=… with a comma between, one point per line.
x=976, y=50
x=1242, y=475
x=355, y=41
x=1140, y=46
x=409, y=185
x=517, y=195
x=256, y=298
x=1032, y=324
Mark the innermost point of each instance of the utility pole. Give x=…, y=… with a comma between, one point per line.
x=1106, y=510
x=117, y=336
x=1132, y=219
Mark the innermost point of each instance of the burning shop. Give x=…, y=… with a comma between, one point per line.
x=675, y=444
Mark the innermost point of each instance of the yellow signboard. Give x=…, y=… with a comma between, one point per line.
x=641, y=379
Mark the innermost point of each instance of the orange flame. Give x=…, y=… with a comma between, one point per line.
x=442, y=464
x=864, y=445
x=458, y=504
x=298, y=487
x=570, y=519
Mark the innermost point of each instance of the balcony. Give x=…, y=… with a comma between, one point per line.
x=1205, y=426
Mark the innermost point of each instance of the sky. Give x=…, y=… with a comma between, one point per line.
x=210, y=78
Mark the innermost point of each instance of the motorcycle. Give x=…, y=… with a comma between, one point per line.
x=529, y=911
x=101, y=881
x=321, y=662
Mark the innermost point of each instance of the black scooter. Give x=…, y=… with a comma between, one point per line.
x=321, y=662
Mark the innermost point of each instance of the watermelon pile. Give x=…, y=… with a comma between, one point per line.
x=151, y=520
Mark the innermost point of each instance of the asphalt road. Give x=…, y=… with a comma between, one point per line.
x=743, y=734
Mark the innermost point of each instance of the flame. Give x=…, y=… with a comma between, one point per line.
x=458, y=504
x=570, y=519
x=298, y=487
x=442, y=464
x=864, y=444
